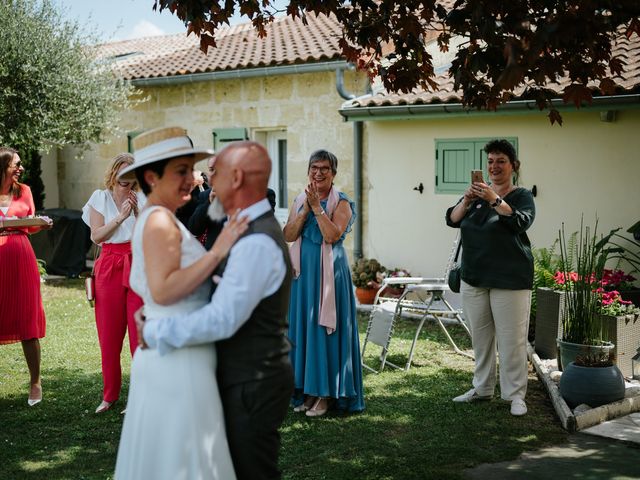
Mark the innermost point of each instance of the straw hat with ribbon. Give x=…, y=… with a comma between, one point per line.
x=162, y=144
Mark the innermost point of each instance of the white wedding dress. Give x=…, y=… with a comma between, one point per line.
x=174, y=424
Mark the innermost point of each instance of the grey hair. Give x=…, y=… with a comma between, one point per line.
x=320, y=155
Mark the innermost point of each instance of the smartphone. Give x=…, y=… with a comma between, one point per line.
x=476, y=176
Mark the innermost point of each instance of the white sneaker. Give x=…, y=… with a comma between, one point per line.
x=518, y=407
x=471, y=396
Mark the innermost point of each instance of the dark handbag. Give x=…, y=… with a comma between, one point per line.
x=454, y=274
x=90, y=281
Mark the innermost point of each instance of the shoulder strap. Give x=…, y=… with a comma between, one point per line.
x=455, y=259
x=95, y=256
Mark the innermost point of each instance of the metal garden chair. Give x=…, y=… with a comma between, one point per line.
x=422, y=298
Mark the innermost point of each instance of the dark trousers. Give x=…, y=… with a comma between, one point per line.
x=253, y=412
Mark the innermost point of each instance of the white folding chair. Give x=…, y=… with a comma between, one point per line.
x=422, y=298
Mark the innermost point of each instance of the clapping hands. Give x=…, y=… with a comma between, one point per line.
x=313, y=198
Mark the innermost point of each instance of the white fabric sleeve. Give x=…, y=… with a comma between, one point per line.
x=98, y=202
x=255, y=270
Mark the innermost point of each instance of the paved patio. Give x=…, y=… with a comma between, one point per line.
x=609, y=451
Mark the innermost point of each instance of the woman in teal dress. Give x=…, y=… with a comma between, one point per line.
x=323, y=325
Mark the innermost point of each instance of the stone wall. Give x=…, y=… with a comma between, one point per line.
x=305, y=105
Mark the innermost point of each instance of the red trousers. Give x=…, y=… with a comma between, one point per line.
x=115, y=305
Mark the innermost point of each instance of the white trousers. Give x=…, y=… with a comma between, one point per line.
x=502, y=316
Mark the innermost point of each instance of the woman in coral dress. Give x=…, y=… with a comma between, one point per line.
x=21, y=313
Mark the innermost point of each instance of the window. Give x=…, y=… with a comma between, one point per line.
x=276, y=142
x=455, y=158
x=130, y=137
x=222, y=136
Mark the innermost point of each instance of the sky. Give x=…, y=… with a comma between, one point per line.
x=125, y=19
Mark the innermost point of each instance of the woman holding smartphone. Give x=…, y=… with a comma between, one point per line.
x=497, y=275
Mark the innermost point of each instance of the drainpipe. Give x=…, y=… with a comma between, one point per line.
x=357, y=165
x=357, y=187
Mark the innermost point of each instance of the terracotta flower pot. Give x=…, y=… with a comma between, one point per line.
x=365, y=296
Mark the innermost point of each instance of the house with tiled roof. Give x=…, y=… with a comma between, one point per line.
x=418, y=150
x=404, y=158
x=283, y=91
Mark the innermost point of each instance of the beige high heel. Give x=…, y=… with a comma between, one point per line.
x=318, y=412
x=306, y=405
x=31, y=401
x=104, y=406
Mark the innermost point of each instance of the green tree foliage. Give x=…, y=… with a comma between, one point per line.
x=52, y=92
x=509, y=44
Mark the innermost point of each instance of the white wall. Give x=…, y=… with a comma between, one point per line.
x=585, y=166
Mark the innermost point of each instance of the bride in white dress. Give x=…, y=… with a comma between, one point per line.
x=174, y=424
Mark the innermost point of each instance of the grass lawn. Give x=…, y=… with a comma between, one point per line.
x=410, y=429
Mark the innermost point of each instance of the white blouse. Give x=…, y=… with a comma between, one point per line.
x=102, y=202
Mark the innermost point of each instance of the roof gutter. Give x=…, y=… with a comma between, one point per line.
x=449, y=110
x=240, y=74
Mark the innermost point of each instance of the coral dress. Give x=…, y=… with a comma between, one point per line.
x=21, y=313
x=325, y=365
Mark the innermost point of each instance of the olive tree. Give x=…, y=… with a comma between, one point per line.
x=52, y=91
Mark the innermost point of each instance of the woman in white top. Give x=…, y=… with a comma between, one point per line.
x=174, y=427
x=111, y=214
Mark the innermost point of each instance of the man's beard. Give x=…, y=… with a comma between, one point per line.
x=216, y=211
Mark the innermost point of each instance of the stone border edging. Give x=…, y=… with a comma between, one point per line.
x=571, y=421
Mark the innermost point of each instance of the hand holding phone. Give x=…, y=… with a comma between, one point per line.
x=476, y=176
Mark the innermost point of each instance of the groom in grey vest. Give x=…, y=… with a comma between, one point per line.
x=247, y=317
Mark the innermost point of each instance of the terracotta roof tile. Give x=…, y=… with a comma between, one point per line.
x=629, y=81
x=288, y=42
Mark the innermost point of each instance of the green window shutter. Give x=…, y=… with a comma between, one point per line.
x=130, y=136
x=454, y=160
x=222, y=136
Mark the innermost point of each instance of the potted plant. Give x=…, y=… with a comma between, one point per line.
x=621, y=325
x=367, y=273
x=590, y=374
x=628, y=250
x=544, y=315
x=395, y=290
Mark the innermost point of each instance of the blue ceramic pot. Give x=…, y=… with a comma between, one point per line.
x=568, y=351
x=594, y=386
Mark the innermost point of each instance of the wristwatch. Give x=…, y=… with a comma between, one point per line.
x=496, y=203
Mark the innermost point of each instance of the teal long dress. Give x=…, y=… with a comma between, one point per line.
x=325, y=365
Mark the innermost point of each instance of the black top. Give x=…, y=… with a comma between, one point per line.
x=496, y=252
x=184, y=212
x=199, y=223
x=260, y=347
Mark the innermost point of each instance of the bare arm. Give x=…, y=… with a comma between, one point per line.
x=486, y=192
x=101, y=231
x=458, y=213
x=333, y=228
x=293, y=228
x=162, y=244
